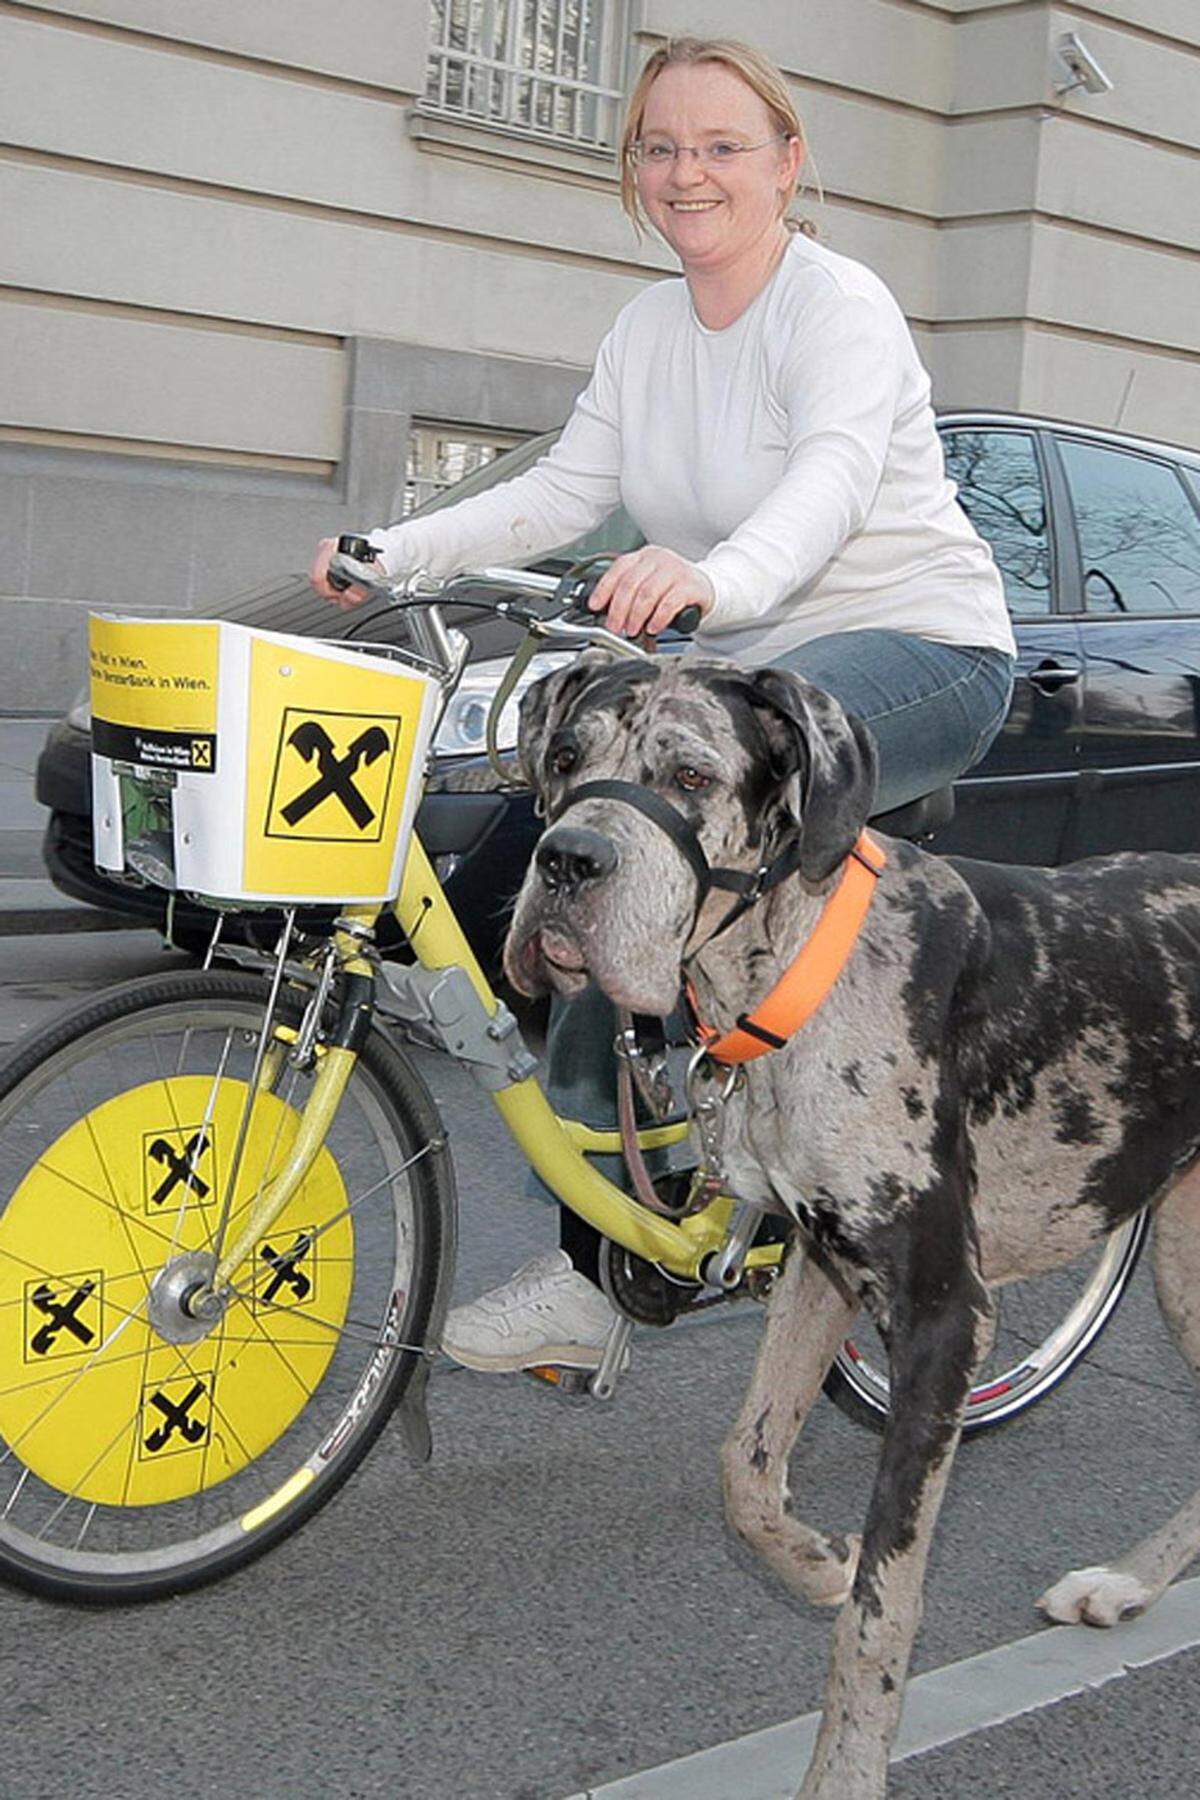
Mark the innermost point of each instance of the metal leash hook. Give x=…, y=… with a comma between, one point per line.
x=706, y=1103
x=707, y=1099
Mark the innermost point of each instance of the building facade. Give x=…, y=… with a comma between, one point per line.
x=270, y=268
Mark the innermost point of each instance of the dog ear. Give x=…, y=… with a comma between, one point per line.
x=835, y=757
x=545, y=704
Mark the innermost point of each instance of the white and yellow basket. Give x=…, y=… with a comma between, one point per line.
x=248, y=766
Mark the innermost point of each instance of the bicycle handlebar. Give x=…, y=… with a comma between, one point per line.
x=350, y=566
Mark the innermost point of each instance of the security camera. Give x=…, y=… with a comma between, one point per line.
x=1081, y=67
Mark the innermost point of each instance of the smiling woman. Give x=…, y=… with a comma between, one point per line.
x=712, y=156
x=766, y=422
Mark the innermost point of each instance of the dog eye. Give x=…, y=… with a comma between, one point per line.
x=692, y=780
x=563, y=760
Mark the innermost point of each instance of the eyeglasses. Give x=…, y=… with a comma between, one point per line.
x=661, y=153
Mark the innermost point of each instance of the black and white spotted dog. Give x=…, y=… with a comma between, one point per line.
x=1003, y=1072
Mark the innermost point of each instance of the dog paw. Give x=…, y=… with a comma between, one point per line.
x=826, y=1568
x=1095, y=1597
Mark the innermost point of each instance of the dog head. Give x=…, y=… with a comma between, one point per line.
x=747, y=758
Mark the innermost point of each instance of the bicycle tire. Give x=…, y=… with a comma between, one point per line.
x=168, y=1465
x=857, y=1381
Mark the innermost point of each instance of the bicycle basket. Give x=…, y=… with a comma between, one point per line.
x=245, y=765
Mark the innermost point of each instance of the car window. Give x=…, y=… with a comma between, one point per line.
x=1139, y=535
x=1000, y=489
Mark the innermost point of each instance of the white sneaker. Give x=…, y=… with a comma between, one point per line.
x=547, y=1313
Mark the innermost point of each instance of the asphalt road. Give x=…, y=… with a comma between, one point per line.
x=554, y=1603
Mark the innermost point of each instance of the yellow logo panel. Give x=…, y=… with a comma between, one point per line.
x=179, y=1167
x=328, y=762
x=64, y=1316
x=333, y=775
x=155, y=674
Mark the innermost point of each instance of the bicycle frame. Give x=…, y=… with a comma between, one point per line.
x=553, y=1146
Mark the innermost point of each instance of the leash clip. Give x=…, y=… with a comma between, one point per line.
x=706, y=1102
x=757, y=888
x=648, y=1069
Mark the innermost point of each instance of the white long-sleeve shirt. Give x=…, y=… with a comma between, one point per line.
x=792, y=456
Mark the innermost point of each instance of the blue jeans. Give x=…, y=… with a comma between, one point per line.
x=933, y=709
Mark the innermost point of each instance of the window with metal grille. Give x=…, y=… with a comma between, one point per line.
x=545, y=68
x=440, y=456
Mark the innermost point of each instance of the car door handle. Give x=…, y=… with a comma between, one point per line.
x=1050, y=677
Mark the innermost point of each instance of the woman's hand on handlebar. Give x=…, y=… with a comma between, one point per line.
x=645, y=589
x=319, y=577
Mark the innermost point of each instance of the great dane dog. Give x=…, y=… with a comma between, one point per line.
x=1003, y=1071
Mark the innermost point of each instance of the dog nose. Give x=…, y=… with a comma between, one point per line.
x=571, y=855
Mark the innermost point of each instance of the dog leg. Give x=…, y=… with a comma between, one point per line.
x=1120, y=1590
x=807, y=1319
x=932, y=1365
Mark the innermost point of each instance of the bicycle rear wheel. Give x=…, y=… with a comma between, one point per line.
x=142, y=1452
x=1045, y=1325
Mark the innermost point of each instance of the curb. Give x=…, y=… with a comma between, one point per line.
x=39, y=921
x=33, y=906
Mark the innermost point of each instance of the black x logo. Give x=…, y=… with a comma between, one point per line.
x=335, y=773
x=175, y=1419
x=180, y=1168
x=284, y=1264
x=61, y=1315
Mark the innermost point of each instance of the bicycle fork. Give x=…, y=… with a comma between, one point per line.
x=336, y=1060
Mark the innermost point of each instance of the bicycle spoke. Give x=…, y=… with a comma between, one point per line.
x=88, y=1500
x=16, y=1493
x=369, y=1193
x=73, y=1383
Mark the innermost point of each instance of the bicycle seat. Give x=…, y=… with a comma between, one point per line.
x=918, y=818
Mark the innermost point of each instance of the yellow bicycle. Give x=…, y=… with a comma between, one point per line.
x=227, y=1202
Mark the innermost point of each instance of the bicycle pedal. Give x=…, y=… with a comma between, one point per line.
x=575, y=1384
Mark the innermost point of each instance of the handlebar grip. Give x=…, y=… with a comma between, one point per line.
x=358, y=549
x=579, y=613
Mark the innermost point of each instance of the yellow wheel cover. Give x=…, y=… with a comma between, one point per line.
x=92, y=1399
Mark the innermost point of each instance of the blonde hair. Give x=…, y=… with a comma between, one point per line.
x=759, y=74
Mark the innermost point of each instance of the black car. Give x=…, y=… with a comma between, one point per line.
x=1097, y=537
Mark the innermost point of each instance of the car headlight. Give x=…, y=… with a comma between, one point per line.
x=463, y=730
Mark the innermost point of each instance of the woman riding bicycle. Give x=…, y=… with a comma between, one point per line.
x=766, y=421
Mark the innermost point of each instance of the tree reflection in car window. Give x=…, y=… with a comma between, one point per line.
x=1000, y=490
x=1138, y=532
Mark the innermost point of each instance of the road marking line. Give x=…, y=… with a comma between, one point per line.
x=940, y=1706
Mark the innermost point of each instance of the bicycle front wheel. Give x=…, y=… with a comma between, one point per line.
x=143, y=1451
x=1045, y=1325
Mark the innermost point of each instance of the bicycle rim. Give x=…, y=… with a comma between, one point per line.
x=1045, y=1325
x=135, y=1460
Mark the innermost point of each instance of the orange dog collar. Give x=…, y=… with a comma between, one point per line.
x=808, y=980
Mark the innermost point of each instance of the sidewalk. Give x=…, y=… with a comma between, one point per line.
x=29, y=902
